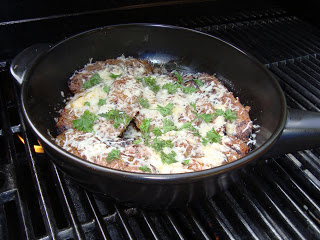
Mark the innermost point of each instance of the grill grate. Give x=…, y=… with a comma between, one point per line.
x=278, y=199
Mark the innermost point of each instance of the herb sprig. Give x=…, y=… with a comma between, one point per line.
x=228, y=114
x=85, y=122
x=150, y=82
x=144, y=102
x=94, y=80
x=145, y=168
x=117, y=117
x=114, y=154
x=168, y=158
x=166, y=110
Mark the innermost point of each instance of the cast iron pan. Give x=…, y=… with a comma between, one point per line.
x=44, y=71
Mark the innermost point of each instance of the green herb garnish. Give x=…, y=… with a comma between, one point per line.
x=207, y=117
x=85, y=122
x=168, y=125
x=145, y=125
x=114, y=154
x=186, y=162
x=171, y=87
x=136, y=142
x=87, y=104
x=157, y=131
x=145, y=169
x=168, y=158
x=189, y=90
x=117, y=117
x=102, y=102
x=144, y=102
x=213, y=136
x=151, y=83
x=145, y=129
x=94, y=80
x=106, y=88
x=159, y=144
x=114, y=76
x=166, y=110
x=228, y=114
x=198, y=82
x=178, y=76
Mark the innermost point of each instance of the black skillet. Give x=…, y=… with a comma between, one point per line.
x=43, y=72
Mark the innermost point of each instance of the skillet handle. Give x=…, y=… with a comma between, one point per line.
x=302, y=131
x=23, y=62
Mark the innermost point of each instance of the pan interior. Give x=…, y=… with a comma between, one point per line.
x=176, y=48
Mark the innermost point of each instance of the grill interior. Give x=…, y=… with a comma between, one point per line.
x=278, y=199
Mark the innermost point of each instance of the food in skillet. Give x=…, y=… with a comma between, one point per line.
x=126, y=114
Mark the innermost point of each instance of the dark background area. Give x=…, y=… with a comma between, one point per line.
x=29, y=22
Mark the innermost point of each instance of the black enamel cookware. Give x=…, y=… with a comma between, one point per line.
x=43, y=71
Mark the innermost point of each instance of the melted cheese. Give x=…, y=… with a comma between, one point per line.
x=190, y=153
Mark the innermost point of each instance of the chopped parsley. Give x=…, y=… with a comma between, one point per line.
x=207, y=117
x=186, y=125
x=178, y=76
x=159, y=144
x=114, y=76
x=117, y=117
x=144, y=102
x=85, y=122
x=171, y=87
x=145, y=169
x=145, y=129
x=136, y=142
x=114, y=154
x=145, y=125
x=198, y=82
x=94, y=80
x=213, y=136
x=166, y=110
x=189, y=90
x=151, y=83
x=168, y=126
x=157, y=131
x=86, y=104
x=186, y=162
x=168, y=158
x=106, y=88
x=228, y=114
x=102, y=102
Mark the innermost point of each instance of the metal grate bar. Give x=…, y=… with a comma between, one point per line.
x=266, y=218
x=289, y=30
x=293, y=92
x=301, y=71
x=150, y=224
x=274, y=204
x=97, y=216
x=287, y=187
x=296, y=170
x=175, y=225
x=124, y=222
x=197, y=223
x=281, y=203
x=222, y=220
x=71, y=212
x=250, y=226
x=292, y=79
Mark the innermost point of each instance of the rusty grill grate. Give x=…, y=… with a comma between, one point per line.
x=278, y=199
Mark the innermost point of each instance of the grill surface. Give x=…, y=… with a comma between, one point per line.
x=278, y=199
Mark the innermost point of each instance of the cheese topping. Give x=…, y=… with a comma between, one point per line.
x=179, y=123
